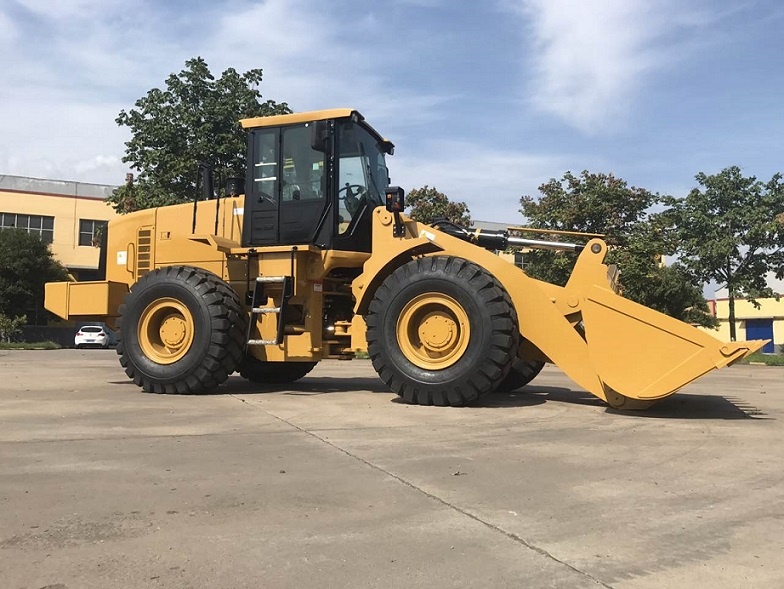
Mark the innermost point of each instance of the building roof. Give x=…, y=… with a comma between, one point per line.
x=56, y=187
x=491, y=225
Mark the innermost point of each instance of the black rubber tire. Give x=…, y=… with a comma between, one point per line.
x=492, y=343
x=218, y=327
x=521, y=374
x=261, y=372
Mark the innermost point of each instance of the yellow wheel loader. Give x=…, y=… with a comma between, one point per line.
x=310, y=257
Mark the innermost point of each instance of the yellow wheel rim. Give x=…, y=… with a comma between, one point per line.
x=433, y=331
x=165, y=331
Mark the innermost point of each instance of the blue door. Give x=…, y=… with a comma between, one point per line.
x=761, y=329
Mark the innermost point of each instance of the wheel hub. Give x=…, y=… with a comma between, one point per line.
x=438, y=332
x=165, y=330
x=173, y=330
x=433, y=331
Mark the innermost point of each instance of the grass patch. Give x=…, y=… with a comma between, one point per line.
x=29, y=346
x=767, y=359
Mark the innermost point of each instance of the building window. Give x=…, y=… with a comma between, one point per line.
x=41, y=226
x=90, y=231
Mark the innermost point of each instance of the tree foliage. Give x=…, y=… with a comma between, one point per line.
x=10, y=327
x=603, y=204
x=194, y=119
x=26, y=264
x=591, y=203
x=731, y=229
x=428, y=204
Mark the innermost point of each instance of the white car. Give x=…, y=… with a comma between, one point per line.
x=91, y=336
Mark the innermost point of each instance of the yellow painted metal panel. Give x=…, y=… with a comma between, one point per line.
x=297, y=117
x=56, y=298
x=85, y=299
x=644, y=354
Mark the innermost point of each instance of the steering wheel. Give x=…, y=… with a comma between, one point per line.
x=351, y=197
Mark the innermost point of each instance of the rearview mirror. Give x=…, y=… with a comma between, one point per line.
x=395, y=199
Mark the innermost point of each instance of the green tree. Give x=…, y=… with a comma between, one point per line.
x=603, y=204
x=730, y=229
x=10, y=327
x=428, y=204
x=195, y=119
x=26, y=264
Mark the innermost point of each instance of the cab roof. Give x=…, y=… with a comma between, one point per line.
x=300, y=117
x=310, y=116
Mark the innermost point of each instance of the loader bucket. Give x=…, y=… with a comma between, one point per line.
x=640, y=355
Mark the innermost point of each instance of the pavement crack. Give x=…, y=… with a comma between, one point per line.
x=495, y=527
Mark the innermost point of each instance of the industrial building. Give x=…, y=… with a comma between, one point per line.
x=751, y=322
x=68, y=215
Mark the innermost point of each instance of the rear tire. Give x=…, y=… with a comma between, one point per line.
x=261, y=372
x=521, y=374
x=180, y=331
x=441, y=331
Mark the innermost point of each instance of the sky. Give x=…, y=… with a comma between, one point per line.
x=485, y=100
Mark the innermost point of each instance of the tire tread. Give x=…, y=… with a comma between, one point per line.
x=494, y=364
x=226, y=319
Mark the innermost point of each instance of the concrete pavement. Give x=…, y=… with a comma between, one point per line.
x=333, y=483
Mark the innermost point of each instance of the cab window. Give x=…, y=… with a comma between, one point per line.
x=362, y=173
x=265, y=166
x=303, y=167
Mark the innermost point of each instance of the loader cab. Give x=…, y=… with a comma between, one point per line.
x=313, y=178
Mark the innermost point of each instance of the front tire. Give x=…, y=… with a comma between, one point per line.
x=441, y=331
x=181, y=331
x=521, y=373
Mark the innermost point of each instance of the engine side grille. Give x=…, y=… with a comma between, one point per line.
x=144, y=258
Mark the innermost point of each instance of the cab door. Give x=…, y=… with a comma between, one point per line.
x=287, y=187
x=262, y=200
x=303, y=185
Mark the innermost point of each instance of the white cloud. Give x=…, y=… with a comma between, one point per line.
x=110, y=53
x=489, y=181
x=100, y=163
x=8, y=32
x=59, y=10
x=313, y=59
x=300, y=48
x=424, y=3
x=719, y=291
x=62, y=140
x=591, y=58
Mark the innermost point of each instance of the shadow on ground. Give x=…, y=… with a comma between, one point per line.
x=533, y=395
x=683, y=406
x=679, y=406
x=320, y=385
